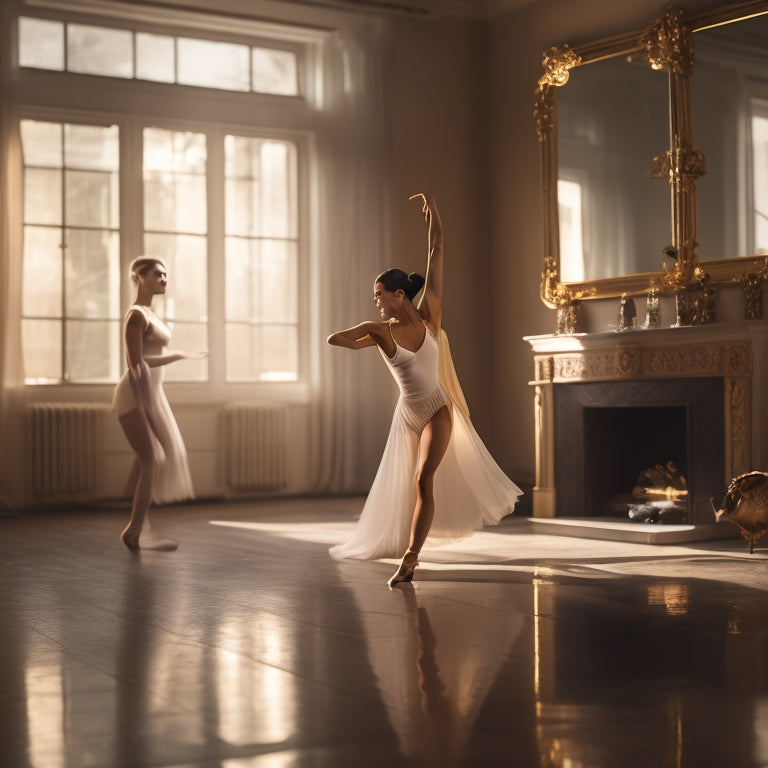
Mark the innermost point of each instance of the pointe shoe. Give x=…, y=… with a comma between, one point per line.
x=407, y=567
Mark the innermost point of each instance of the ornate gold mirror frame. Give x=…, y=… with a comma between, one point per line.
x=667, y=43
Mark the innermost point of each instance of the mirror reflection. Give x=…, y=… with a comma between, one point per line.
x=612, y=119
x=729, y=103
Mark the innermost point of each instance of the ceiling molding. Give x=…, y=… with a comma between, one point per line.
x=464, y=9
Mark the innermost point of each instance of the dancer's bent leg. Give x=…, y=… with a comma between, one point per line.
x=137, y=432
x=432, y=447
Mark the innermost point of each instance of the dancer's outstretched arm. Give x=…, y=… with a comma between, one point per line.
x=153, y=361
x=364, y=335
x=430, y=306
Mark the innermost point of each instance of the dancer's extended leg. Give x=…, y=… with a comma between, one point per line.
x=137, y=432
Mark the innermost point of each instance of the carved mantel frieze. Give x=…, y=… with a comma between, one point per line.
x=622, y=363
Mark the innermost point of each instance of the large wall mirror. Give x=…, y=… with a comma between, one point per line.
x=655, y=155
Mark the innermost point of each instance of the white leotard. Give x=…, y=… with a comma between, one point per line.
x=418, y=376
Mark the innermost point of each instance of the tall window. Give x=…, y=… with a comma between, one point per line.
x=175, y=229
x=71, y=285
x=261, y=260
x=219, y=206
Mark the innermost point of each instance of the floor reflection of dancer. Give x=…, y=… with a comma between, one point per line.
x=160, y=472
x=436, y=651
x=430, y=429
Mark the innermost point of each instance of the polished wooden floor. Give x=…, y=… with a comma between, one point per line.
x=249, y=647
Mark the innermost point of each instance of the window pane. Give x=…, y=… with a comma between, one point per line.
x=42, y=196
x=41, y=281
x=185, y=259
x=41, y=143
x=174, y=151
x=191, y=337
x=274, y=71
x=571, y=236
x=174, y=181
x=242, y=361
x=99, y=50
x=91, y=147
x=261, y=353
x=261, y=280
x=759, y=165
x=239, y=293
x=91, y=199
x=242, y=215
x=41, y=43
x=279, y=358
x=174, y=202
x=155, y=58
x=93, y=349
x=41, y=342
x=92, y=274
x=214, y=65
x=260, y=187
x=278, y=277
x=278, y=209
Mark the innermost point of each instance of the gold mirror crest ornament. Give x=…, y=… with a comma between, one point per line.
x=668, y=43
x=557, y=68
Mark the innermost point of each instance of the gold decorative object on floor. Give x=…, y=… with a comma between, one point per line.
x=745, y=504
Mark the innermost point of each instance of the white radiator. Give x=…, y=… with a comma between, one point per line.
x=62, y=448
x=256, y=447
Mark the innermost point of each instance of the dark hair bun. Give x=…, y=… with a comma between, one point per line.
x=415, y=284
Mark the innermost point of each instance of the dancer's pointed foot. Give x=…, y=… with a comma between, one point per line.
x=130, y=538
x=406, y=568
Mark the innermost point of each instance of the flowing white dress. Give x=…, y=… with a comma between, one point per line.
x=172, y=481
x=470, y=488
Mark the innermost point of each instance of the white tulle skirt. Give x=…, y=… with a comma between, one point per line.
x=171, y=481
x=470, y=488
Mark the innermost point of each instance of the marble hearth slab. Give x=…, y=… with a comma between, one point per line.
x=619, y=529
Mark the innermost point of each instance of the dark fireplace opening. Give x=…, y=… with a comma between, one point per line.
x=623, y=442
x=607, y=433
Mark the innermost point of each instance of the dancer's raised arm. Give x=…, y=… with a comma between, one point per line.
x=430, y=305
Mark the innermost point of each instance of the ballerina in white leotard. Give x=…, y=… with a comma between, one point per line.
x=160, y=472
x=430, y=430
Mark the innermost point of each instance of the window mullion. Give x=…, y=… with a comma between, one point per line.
x=216, y=256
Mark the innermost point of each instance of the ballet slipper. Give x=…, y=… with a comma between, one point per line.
x=406, y=568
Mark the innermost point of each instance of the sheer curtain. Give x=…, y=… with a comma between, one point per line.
x=12, y=463
x=355, y=396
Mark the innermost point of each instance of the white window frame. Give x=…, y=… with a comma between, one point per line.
x=280, y=117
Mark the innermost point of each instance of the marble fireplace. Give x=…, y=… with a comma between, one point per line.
x=609, y=405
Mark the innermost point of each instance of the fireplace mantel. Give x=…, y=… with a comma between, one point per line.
x=737, y=353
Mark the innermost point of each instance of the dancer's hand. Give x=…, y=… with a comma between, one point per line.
x=428, y=200
x=200, y=354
